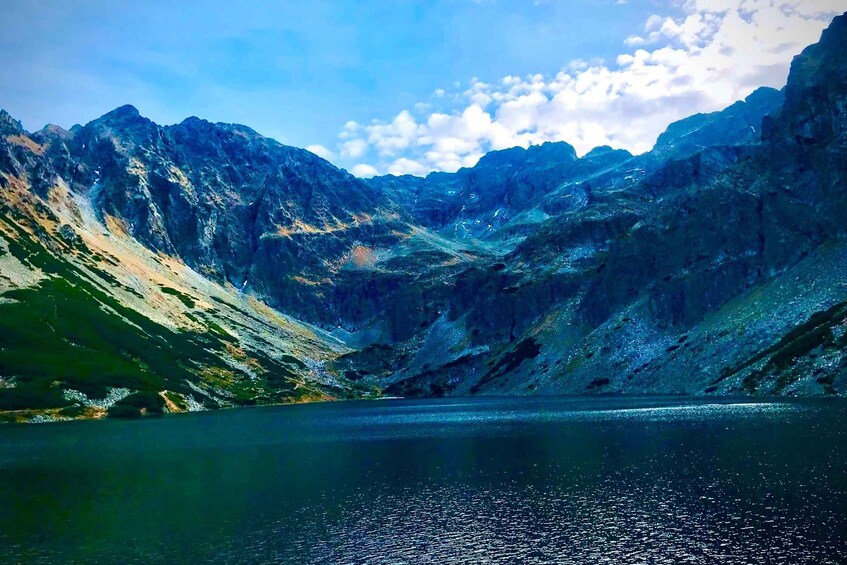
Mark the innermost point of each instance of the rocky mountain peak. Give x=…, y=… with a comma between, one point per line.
x=601, y=150
x=553, y=151
x=194, y=122
x=501, y=157
x=822, y=61
x=764, y=98
x=9, y=125
x=606, y=151
x=52, y=130
x=738, y=124
x=125, y=125
x=815, y=100
x=127, y=111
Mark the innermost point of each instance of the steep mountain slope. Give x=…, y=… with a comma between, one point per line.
x=144, y=268
x=739, y=124
x=91, y=320
x=490, y=208
x=236, y=206
x=722, y=272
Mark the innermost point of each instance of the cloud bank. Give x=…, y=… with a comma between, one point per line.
x=717, y=52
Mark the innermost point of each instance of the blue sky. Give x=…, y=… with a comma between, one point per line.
x=397, y=86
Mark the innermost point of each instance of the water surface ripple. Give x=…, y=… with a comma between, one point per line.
x=488, y=480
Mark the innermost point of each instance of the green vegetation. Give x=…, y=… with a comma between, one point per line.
x=806, y=337
x=800, y=341
x=184, y=298
x=68, y=333
x=73, y=335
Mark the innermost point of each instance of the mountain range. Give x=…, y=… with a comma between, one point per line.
x=148, y=269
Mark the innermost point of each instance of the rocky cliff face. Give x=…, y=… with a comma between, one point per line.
x=242, y=209
x=91, y=321
x=739, y=124
x=679, y=271
x=713, y=264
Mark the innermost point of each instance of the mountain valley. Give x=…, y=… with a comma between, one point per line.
x=148, y=269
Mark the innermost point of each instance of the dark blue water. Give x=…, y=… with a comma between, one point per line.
x=595, y=480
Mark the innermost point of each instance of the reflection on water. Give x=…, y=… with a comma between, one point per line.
x=482, y=480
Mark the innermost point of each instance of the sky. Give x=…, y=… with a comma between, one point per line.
x=403, y=86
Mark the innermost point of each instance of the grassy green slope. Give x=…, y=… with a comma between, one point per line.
x=86, y=332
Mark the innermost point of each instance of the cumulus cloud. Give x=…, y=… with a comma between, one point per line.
x=321, y=151
x=351, y=129
x=395, y=136
x=404, y=166
x=363, y=170
x=354, y=148
x=717, y=52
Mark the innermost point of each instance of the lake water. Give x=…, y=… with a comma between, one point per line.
x=500, y=480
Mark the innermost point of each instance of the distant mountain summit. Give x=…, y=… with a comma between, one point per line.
x=146, y=269
x=739, y=124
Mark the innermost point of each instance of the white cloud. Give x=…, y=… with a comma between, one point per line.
x=354, y=148
x=389, y=139
x=350, y=129
x=404, y=166
x=718, y=52
x=363, y=170
x=321, y=151
x=653, y=23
